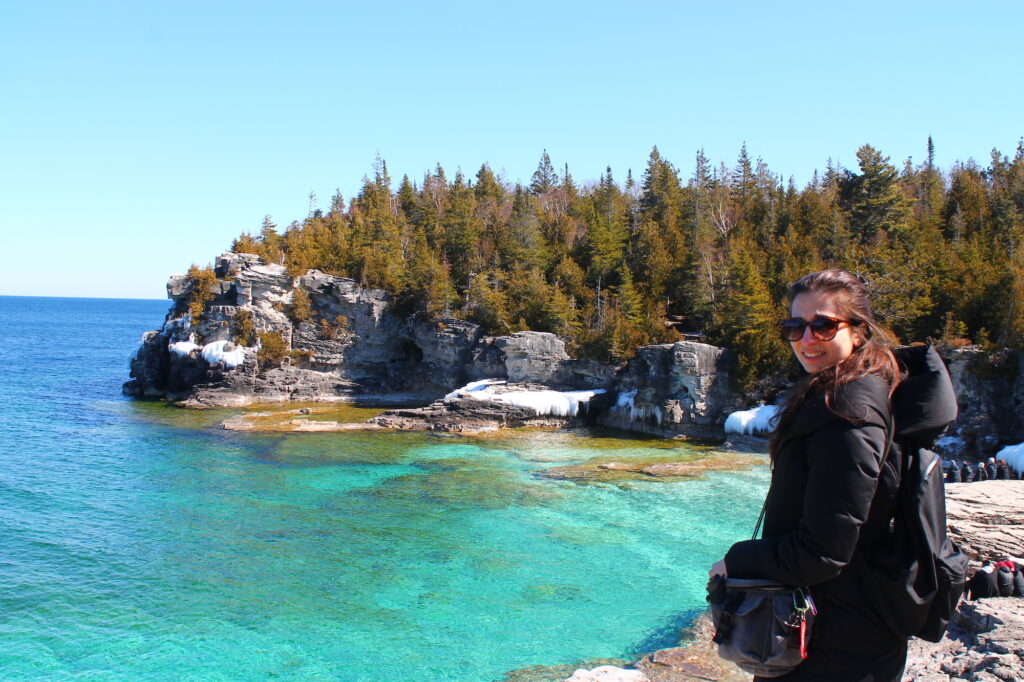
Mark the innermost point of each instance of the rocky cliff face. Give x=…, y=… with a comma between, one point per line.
x=990, y=395
x=676, y=389
x=351, y=347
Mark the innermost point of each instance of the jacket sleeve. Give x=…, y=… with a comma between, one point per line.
x=844, y=460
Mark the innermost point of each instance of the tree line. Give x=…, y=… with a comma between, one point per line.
x=611, y=265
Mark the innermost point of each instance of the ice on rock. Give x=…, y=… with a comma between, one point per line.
x=183, y=348
x=953, y=445
x=471, y=387
x=754, y=421
x=555, y=403
x=547, y=402
x=134, y=355
x=626, y=402
x=215, y=352
x=1013, y=455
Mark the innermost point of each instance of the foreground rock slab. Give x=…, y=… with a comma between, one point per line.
x=696, y=659
x=986, y=518
x=986, y=642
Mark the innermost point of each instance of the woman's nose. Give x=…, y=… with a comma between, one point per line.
x=807, y=336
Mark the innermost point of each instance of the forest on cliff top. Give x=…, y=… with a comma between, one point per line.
x=612, y=265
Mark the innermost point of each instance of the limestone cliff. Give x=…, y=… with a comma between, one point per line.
x=675, y=389
x=349, y=345
x=990, y=395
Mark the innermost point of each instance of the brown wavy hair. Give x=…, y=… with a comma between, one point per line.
x=874, y=356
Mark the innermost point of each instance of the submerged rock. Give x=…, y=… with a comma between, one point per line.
x=599, y=471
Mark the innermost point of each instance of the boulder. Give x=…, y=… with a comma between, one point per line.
x=677, y=389
x=535, y=357
x=986, y=518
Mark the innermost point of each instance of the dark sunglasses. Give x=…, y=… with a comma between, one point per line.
x=823, y=327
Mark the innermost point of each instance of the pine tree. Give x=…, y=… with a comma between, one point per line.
x=269, y=249
x=746, y=320
x=877, y=205
x=544, y=178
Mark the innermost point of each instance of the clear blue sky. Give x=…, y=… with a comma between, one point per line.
x=139, y=137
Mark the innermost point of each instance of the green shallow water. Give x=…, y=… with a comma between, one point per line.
x=144, y=542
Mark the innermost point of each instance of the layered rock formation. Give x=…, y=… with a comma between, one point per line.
x=676, y=389
x=352, y=346
x=348, y=344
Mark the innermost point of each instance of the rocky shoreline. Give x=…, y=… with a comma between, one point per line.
x=338, y=342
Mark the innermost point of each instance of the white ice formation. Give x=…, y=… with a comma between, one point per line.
x=753, y=421
x=182, y=348
x=1013, y=455
x=215, y=352
x=546, y=402
x=626, y=403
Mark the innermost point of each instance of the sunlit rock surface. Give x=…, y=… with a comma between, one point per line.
x=986, y=518
x=676, y=389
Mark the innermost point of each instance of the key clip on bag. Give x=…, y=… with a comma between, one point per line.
x=760, y=625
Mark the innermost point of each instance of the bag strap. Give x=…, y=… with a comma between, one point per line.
x=760, y=518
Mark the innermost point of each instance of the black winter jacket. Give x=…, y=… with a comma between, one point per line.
x=828, y=502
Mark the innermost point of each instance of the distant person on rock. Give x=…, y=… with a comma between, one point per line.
x=990, y=468
x=953, y=475
x=984, y=584
x=982, y=472
x=966, y=474
x=1004, y=580
x=831, y=500
x=1002, y=470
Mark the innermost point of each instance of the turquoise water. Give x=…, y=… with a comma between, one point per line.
x=141, y=541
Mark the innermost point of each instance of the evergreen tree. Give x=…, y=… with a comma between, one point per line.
x=269, y=249
x=746, y=320
x=877, y=205
x=544, y=178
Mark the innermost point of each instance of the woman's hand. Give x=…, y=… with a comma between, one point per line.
x=718, y=568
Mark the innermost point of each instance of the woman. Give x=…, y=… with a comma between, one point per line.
x=831, y=499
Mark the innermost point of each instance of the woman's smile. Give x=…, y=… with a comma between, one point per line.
x=814, y=354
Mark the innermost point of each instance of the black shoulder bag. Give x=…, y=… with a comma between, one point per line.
x=760, y=625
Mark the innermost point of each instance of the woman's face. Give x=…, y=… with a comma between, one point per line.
x=817, y=355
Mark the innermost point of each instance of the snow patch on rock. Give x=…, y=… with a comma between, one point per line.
x=757, y=420
x=544, y=402
x=224, y=351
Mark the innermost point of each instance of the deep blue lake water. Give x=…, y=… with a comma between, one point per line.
x=142, y=541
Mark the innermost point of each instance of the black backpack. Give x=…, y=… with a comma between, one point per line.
x=916, y=582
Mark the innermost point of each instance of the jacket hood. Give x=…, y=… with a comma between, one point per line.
x=924, y=403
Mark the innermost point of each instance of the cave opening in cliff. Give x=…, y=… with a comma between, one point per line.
x=406, y=355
